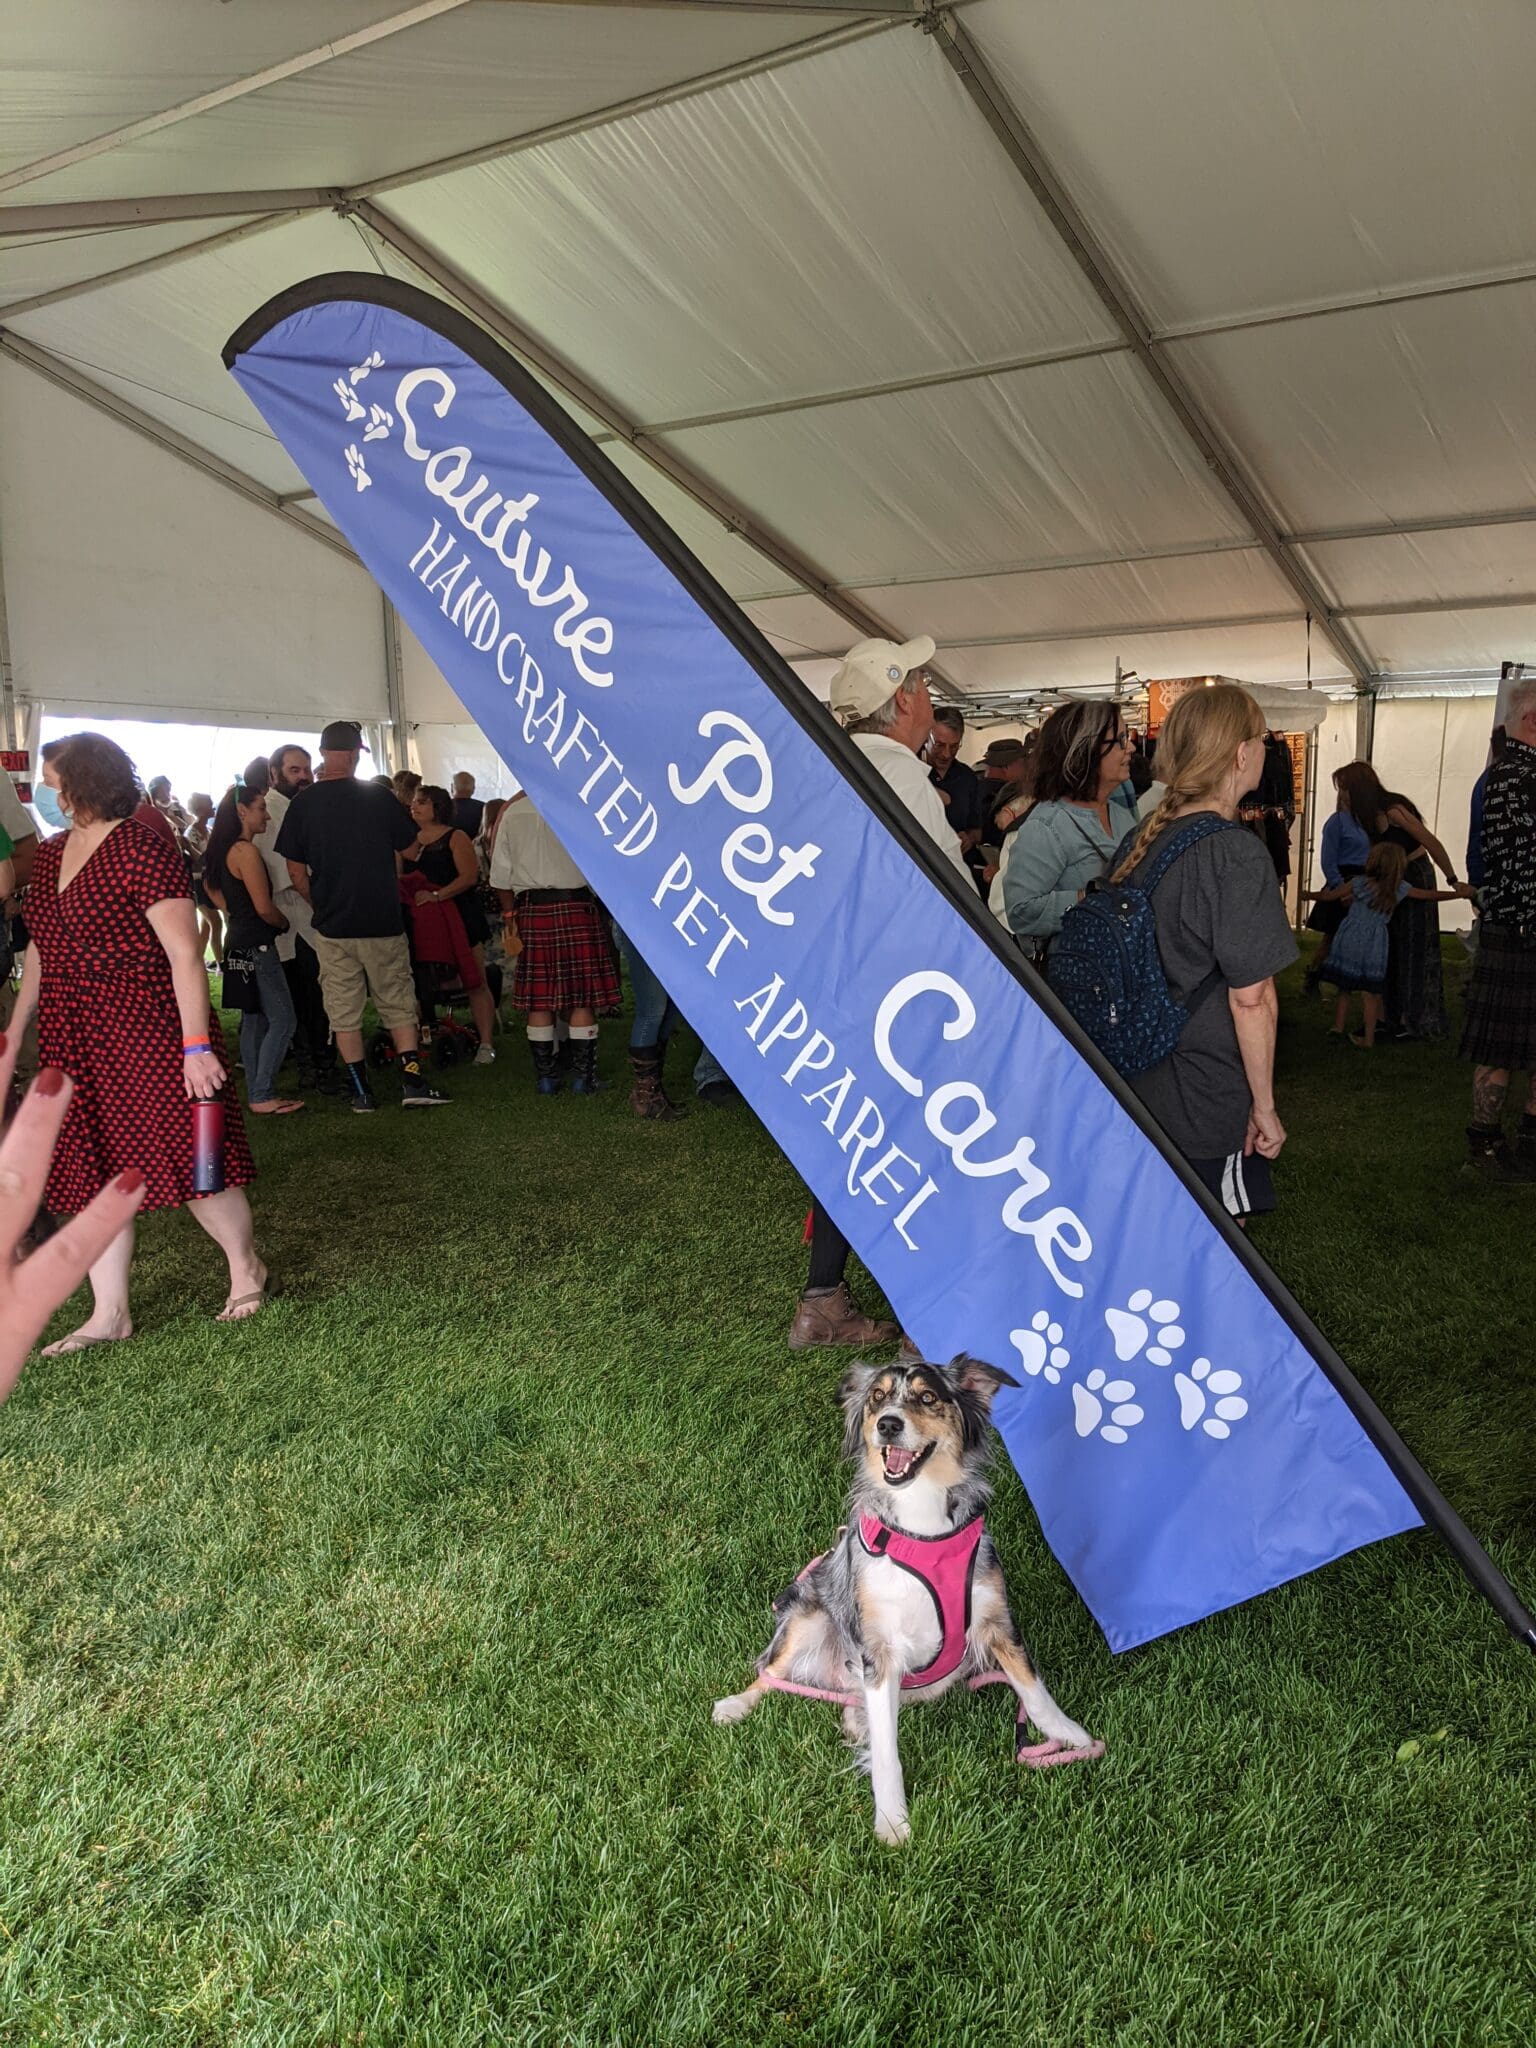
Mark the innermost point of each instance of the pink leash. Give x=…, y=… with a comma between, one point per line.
x=1038, y=1756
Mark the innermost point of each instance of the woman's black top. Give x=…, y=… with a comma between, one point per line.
x=436, y=862
x=247, y=928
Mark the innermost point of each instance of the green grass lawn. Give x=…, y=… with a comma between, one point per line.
x=356, y=1663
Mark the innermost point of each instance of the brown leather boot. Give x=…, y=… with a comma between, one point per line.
x=831, y=1316
x=647, y=1097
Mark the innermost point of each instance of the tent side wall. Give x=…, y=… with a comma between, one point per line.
x=139, y=588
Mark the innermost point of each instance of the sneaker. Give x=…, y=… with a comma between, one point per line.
x=485, y=1056
x=364, y=1104
x=719, y=1094
x=419, y=1094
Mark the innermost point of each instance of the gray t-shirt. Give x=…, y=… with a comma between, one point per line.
x=1217, y=909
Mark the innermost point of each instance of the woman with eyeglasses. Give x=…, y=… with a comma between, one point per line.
x=1083, y=808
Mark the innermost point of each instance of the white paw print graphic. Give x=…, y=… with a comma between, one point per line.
x=351, y=404
x=1039, y=1348
x=1089, y=1402
x=358, y=468
x=369, y=363
x=1200, y=1388
x=379, y=424
x=1142, y=1317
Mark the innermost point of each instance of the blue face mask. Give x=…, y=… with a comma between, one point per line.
x=45, y=802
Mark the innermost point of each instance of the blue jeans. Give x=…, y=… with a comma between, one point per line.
x=656, y=1015
x=266, y=1034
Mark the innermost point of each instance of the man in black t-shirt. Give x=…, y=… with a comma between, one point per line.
x=341, y=839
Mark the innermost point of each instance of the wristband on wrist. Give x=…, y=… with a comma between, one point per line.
x=195, y=1045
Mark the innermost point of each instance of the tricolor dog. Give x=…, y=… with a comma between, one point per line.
x=910, y=1599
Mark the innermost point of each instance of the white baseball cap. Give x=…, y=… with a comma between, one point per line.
x=873, y=672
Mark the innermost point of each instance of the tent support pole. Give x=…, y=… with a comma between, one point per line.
x=10, y=726
x=1025, y=154
x=567, y=378
x=394, y=688
x=1365, y=724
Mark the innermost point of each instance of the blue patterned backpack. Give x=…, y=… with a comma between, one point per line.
x=1104, y=962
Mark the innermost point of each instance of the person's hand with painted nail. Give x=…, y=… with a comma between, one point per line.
x=32, y=1288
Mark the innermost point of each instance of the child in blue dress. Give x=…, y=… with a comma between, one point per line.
x=1357, y=958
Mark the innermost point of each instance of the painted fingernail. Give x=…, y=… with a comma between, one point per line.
x=49, y=1081
x=130, y=1182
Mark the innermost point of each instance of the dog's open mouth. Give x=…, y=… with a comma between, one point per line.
x=902, y=1464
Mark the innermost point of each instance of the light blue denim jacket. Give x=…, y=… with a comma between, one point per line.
x=1058, y=850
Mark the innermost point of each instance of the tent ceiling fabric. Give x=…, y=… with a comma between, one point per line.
x=32, y=265
x=785, y=244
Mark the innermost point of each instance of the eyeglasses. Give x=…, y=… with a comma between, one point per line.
x=1122, y=738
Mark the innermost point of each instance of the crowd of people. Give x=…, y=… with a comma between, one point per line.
x=317, y=891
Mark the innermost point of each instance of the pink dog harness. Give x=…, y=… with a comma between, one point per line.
x=946, y=1565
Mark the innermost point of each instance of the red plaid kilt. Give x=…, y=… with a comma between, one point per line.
x=567, y=960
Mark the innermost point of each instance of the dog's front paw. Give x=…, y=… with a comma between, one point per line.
x=1066, y=1732
x=735, y=1708
x=892, y=1828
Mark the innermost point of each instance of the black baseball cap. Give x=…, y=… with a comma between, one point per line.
x=342, y=736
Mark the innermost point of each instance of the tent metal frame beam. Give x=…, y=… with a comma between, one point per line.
x=127, y=414
x=638, y=103
x=204, y=245
x=1448, y=522
x=900, y=10
x=1360, y=302
x=88, y=214
x=567, y=378
x=232, y=89
x=1034, y=168
x=67, y=216
x=1187, y=551
x=1408, y=608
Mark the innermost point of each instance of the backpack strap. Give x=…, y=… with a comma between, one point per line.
x=1177, y=843
x=1205, y=825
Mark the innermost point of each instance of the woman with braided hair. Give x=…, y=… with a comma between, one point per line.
x=1223, y=937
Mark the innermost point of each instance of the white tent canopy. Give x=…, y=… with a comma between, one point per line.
x=1067, y=331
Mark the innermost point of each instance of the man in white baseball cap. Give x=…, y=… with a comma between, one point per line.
x=880, y=695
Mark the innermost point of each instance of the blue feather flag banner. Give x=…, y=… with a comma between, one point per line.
x=1174, y=1425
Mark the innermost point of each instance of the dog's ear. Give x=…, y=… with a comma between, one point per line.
x=851, y=1396
x=975, y=1377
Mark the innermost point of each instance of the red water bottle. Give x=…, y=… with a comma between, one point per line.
x=208, y=1148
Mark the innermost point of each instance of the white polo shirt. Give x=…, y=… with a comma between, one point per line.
x=908, y=777
x=301, y=919
x=527, y=855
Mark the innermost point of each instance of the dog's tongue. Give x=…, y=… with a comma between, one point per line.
x=897, y=1462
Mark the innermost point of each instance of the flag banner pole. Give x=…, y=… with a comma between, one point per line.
x=1187, y=1437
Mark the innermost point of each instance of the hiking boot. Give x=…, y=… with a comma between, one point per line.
x=584, y=1079
x=1489, y=1157
x=831, y=1316
x=647, y=1097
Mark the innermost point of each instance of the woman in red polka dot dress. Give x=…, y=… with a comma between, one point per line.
x=116, y=978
